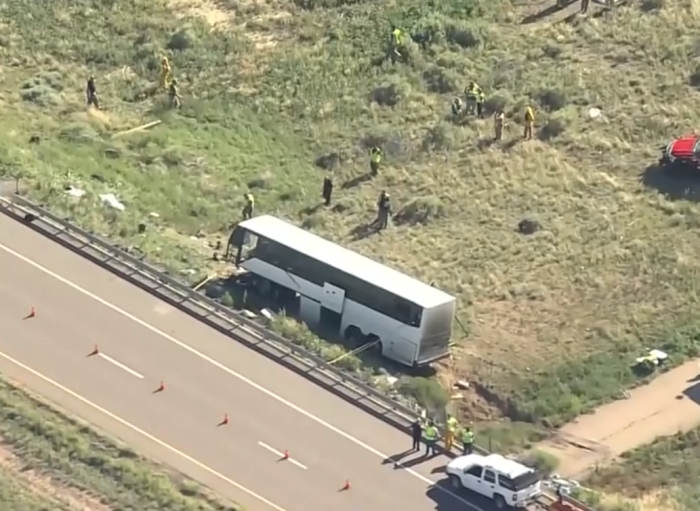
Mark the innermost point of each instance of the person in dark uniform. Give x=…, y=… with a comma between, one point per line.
x=91, y=93
x=416, y=435
x=383, y=211
x=327, y=189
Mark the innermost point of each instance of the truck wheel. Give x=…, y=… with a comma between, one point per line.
x=455, y=482
x=499, y=502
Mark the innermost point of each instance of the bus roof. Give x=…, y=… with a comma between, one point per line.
x=346, y=260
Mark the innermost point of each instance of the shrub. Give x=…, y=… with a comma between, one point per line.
x=421, y=210
x=427, y=392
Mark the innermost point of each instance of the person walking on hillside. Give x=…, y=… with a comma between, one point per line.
x=480, y=100
x=471, y=94
x=383, y=211
x=375, y=159
x=327, y=191
x=416, y=435
x=529, y=122
x=457, y=109
x=584, y=6
x=174, y=94
x=166, y=73
x=91, y=93
x=249, y=205
x=499, y=121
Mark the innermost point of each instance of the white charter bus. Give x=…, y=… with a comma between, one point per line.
x=367, y=302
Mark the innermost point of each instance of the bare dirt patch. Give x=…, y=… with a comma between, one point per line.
x=666, y=406
x=206, y=9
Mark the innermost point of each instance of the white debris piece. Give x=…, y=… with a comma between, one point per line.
x=109, y=199
x=594, y=113
x=75, y=192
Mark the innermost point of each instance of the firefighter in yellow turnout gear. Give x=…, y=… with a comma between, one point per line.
x=450, y=432
x=166, y=73
x=398, y=44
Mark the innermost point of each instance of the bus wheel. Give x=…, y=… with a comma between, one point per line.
x=376, y=348
x=354, y=336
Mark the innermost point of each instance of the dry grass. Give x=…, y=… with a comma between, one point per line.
x=274, y=85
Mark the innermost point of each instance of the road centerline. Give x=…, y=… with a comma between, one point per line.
x=120, y=365
x=140, y=431
x=282, y=456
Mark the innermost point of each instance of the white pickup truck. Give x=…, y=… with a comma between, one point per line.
x=506, y=482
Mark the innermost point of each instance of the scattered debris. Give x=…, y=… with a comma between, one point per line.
x=651, y=361
x=109, y=199
x=461, y=384
x=141, y=228
x=74, y=192
x=594, y=113
x=34, y=139
x=137, y=128
x=154, y=215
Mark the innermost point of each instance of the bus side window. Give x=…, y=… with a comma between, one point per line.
x=403, y=310
x=416, y=316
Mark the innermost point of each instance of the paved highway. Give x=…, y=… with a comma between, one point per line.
x=143, y=341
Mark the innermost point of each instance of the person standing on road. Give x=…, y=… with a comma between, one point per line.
x=430, y=435
x=450, y=432
x=416, y=435
x=467, y=441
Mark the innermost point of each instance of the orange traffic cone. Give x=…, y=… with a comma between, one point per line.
x=32, y=314
x=224, y=420
x=160, y=388
x=285, y=455
x=346, y=486
x=94, y=352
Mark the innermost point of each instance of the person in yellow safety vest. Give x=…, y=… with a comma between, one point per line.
x=450, y=431
x=397, y=42
x=529, y=122
x=375, y=158
x=499, y=121
x=249, y=204
x=430, y=436
x=166, y=73
x=467, y=440
x=480, y=99
x=471, y=94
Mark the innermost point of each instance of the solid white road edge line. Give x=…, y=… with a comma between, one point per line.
x=233, y=373
x=281, y=455
x=120, y=365
x=140, y=431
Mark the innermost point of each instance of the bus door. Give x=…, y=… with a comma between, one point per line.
x=332, y=303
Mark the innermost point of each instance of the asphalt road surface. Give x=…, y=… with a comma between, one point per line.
x=143, y=341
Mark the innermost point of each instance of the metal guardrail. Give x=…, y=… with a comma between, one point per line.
x=228, y=321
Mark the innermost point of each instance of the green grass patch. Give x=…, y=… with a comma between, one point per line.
x=74, y=455
x=665, y=471
x=278, y=93
x=17, y=494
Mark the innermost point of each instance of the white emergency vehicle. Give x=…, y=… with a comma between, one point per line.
x=508, y=483
x=405, y=319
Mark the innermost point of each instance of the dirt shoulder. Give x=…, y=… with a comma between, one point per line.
x=665, y=406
